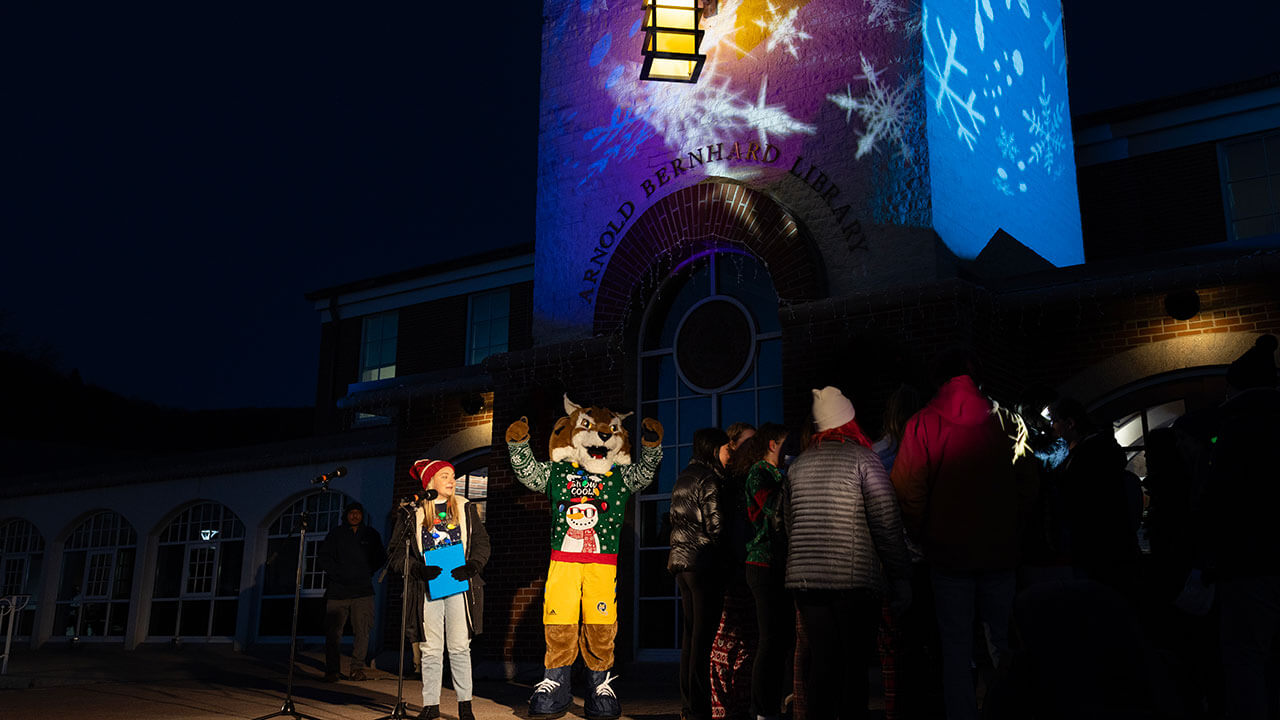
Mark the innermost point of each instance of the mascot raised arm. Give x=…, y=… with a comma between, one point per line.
x=588, y=480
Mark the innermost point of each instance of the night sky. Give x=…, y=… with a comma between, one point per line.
x=178, y=181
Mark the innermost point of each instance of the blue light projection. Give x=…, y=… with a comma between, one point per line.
x=999, y=126
x=949, y=114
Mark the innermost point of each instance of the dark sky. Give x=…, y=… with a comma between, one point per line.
x=179, y=180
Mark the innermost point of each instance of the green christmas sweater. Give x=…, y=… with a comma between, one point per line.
x=586, y=508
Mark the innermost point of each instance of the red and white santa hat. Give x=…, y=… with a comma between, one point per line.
x=425, y=469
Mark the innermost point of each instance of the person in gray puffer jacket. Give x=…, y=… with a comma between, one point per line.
x=697, y=560
x=845, y=536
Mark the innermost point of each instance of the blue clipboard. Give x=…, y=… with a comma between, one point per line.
x=446, y=557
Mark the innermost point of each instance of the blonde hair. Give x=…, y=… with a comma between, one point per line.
x=453, y=509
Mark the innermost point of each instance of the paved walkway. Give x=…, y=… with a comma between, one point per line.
x=109, y=683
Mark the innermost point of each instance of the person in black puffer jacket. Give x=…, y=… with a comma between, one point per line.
x=697, y=560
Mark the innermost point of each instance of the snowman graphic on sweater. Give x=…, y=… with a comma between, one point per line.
x=581, y=515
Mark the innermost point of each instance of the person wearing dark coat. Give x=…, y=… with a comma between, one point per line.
x=447, y=623
x=1103, y=545
x=698, y=560
x=349, y=556
x=1240, y=543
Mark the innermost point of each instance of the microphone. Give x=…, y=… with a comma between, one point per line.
x=337, y=473
x=416, y=498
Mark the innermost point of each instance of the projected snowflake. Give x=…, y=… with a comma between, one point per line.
x=903, y=17
x=692, y=115
x=1045, y=127
x=942, y=88
x=885, y=113
x=782, y=29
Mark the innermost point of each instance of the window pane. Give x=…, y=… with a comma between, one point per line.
x=737, y=407
x=655, y=581
x=168, y=570
x=498, y=334
x=1250, y=198
x=659, y=377
x=684, y=453
x=1128, y=431
x=1162, y=416
x=667, y=471
x=771, y=405
x=1255, y=227
x=1245, y=160
x=769, y=362
x=655, y=523
x=480, y=334
x=695, y=413
x=372, y=328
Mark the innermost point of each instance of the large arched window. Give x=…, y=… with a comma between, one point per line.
x=710, y=355
x=198, y=564
x=21, y=558
x=97, y=578
x=324, y=512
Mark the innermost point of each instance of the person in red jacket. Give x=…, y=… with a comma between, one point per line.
x=958, y=488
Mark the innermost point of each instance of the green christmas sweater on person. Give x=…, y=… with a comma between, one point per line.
x=764, y=508
x=587, y=508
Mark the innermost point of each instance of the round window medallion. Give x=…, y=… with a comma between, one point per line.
x=714, y=345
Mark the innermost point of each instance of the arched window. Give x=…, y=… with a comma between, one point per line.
x=710, y=356
x=323, y=512
x=21, y=558
x=198, y=566
x=97, y=578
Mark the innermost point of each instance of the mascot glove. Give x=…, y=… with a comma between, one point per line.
x=426, y=572
x=518, y=431
x=650, y=434
x=465, y=572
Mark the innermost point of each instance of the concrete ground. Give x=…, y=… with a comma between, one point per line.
x=214, y=681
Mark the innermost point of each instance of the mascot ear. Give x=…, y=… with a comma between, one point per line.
x=624, y=416
x=569, y=407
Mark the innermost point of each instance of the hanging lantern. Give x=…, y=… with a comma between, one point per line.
x=671, y=40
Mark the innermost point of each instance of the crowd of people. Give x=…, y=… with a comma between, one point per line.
x=979, y=549
x=974, y=549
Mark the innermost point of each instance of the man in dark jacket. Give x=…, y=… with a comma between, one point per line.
x=1241, y=544
x=959, y=488
x=349, y=556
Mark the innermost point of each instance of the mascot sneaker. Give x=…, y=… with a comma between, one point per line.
x=551, y=696
x=602, y=703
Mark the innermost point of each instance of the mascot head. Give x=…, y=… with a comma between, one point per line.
x=593, y=437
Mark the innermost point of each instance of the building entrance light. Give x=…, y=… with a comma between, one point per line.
x=671, y=40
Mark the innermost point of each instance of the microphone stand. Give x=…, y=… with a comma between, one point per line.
x=407, y=522
x=287, y=708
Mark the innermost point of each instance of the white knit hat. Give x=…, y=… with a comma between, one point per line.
x=831, y=408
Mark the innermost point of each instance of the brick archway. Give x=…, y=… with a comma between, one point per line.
x=711, y=214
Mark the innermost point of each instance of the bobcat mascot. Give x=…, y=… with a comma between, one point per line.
x=589, y=479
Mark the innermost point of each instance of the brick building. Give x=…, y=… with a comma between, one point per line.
x=845, y=190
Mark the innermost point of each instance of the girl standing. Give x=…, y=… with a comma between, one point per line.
x=447, y=623
x=765, y=568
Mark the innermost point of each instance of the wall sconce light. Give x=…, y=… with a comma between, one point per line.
x=1182, y=304
x=671, y=40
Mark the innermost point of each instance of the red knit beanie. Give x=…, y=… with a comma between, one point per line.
x=424, y=469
